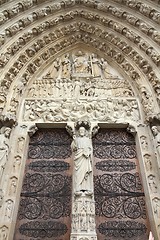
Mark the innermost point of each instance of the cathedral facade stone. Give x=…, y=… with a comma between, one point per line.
x=84, y=66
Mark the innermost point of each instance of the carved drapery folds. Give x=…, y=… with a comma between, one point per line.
x=80, y=74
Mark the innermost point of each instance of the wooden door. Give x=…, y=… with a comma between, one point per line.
x=120, y=203
x=45, y=204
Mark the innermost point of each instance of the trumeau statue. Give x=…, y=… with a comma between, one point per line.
x=82, y=150
x=83, y=208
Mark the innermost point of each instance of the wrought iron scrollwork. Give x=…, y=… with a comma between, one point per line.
x=122, y=229
x=119, y=195
x=114, y=144
x=44, y=193
x=42, y=230
x=49, y=144
x=49, y=166
x=114, y=152
x=117, y=166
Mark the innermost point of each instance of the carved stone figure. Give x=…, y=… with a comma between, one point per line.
x=105, y=70
x=80, y=63
x=20, y=144
x=13, y=186
x=82, y=150
x=156, y=206
x=3, y=233
x=156, y=134
x=77, y=88
x=2, y=101
x=4, y=148
x=144, y=142
x=96, y=67
x=19, y=88
x=148, y=163
x=55, y=70
x=152, y=183
x=147, y=101
x=66, y=67
x=8, y=209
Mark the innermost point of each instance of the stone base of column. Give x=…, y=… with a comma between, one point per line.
x=83, y=217
x=84, y=236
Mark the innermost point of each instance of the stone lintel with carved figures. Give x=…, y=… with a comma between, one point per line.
x=112, y=110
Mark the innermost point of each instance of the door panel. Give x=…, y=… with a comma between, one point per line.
x=119, y=196
x=45, y=204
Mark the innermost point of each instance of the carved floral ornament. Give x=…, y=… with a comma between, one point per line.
x=117, y=37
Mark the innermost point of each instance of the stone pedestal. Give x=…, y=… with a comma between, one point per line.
x=83, y=217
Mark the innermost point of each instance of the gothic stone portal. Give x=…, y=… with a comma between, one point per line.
x=119, y=197
x=45, y=204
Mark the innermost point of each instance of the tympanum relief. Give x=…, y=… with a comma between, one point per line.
x=79, y=85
